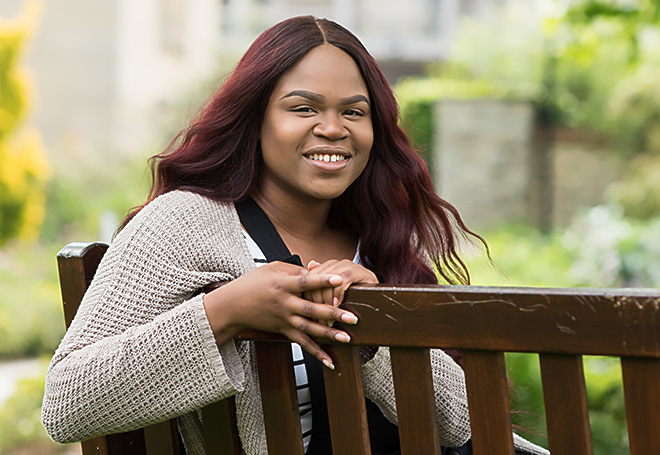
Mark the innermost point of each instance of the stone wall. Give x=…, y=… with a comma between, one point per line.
x=485, y=155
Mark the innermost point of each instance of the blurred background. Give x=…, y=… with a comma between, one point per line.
x=539, y=120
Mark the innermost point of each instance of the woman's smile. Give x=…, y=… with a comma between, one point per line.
x=329, y=159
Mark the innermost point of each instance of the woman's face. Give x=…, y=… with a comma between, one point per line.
x=316, y=135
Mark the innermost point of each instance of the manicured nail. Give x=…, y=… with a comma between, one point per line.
x=328, y=364
x=349, y=318
x=343, y=337
x=336, y=280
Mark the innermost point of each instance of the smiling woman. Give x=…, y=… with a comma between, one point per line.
x=303, y=137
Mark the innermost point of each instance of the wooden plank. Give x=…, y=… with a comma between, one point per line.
x=347, y=413
x=571, y=321
x=641, y=387
x=415, y=401
x=94, y=446
x=488, y=400
x=220, y=430
x=77, y=263
x=566, y=408
x=128, y=443
x=279, y=398
x=160, y=439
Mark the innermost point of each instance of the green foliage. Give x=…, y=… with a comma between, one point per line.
x=21, y=430
x=522, y=256
x=20, y=415
x=23, y=166
x=638, y=192
x=31, y=319
x=610, y=250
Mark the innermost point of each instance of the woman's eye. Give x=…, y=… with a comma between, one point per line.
x=303, y=110
x=353, y=113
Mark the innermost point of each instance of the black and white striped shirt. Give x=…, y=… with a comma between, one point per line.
x=302, y=383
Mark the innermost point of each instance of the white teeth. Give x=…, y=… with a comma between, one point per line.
x=326, y=158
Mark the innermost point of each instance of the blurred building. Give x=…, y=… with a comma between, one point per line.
x=108, y=74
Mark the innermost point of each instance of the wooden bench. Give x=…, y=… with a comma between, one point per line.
x=560, y=325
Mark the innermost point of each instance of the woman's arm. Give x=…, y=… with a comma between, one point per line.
x=140, y=350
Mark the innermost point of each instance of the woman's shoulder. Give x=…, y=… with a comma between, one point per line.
x=185, y=207
x=181, y=213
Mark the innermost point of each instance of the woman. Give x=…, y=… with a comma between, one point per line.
x=306, y=130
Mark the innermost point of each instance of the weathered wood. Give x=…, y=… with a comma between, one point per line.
x=611, y=322
x=415, y=401
x=641, y=387
x=488, y=400
x=566, y=409
x=347, y=412
x=279, y=398
x=559, y=324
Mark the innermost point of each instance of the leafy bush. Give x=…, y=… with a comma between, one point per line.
x=21, y=430
x=31, y=319
x=23, y=165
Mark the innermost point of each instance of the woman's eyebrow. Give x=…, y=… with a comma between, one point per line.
x=318, y=98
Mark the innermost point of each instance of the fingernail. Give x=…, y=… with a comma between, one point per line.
x=343, y=338
x=328, y=364
x=335, y=301
x=349, y=318
x=336, y=280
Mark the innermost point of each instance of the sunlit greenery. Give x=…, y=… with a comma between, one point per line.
x=23, y=165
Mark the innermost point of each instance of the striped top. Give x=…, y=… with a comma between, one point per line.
x=302, y=383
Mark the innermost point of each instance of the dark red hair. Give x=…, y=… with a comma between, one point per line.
x=392, y=206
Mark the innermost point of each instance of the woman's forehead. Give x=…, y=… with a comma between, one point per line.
x=325, y=70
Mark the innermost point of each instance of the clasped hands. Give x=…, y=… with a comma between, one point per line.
x=298, y=302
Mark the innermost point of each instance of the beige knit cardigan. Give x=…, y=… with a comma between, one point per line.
x=141, y=350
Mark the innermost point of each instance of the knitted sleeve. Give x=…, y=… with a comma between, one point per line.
x=450, y=394
x=140, y=349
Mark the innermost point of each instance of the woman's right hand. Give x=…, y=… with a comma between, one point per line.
x=269, y=298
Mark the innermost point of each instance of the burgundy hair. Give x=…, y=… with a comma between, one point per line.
x=392, y=206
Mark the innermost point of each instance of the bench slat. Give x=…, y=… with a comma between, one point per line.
x=641, y=387
x=567, y=321
x=220, y=432
x=415, y=401
x=95, y=446
x=488, y=399
x=566, y=409
x=347, y=412
x=279, y=398
x=160, y=439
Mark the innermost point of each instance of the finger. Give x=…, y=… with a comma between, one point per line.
x=307, y=282
x=322, y=312
x=310, y=346
x=316, y=330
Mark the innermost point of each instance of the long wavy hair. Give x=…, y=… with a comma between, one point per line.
x=407, y=233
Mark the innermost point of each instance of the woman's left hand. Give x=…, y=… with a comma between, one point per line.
x=351, y=273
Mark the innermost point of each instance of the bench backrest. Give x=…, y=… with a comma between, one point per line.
x=560, y=325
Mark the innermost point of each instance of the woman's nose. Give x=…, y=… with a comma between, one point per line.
x=331, y=127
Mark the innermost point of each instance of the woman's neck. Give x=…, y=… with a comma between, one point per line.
x=294, y=217
x=304, y=228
